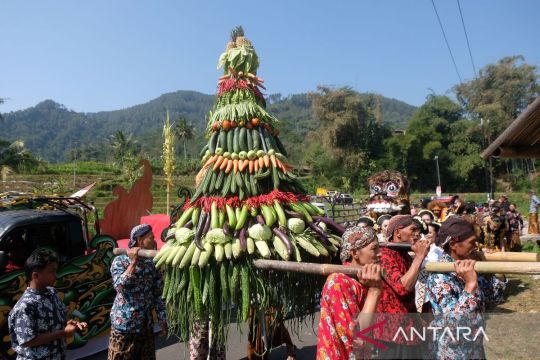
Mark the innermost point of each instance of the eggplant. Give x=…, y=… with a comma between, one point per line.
x=319, y=233
x=203, y=221
x=260, y=219
x=226, y=229
x=293, y=214
x=189, y=225
x=284, y=239
x=242, y=237
x=339, y=229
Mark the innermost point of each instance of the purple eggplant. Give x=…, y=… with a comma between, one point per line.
x=284, y=239
x=319, y=233
x=189, y=225
x=260, y=219
x=226, y=229
x=204, y=219
x=339, y=229
x=243, y=238
x=293, y=214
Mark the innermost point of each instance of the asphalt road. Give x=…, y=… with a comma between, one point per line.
x=169, y=349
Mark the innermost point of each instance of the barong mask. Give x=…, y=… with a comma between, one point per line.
x=388, y=193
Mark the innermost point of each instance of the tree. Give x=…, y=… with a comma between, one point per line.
x=15, y=157
x=185, y=131
x=427, y=136
x=123, y=147
x=500, y=92
x=497, y=97
x=349, y=131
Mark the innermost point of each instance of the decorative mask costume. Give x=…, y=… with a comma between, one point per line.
x=388, y=194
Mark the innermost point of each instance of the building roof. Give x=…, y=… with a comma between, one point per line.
x=521, y=139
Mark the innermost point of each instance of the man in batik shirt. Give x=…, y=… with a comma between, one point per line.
x=37, y=323
x=138, y=286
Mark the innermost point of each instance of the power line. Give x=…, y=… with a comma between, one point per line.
x=466, y=37
x=446, y=40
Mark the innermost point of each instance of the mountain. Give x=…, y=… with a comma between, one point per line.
x=50, y=129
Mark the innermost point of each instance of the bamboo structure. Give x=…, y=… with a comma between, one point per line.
x=484, y=256
x=485, y=267
x=482, y=267
x=168, y=157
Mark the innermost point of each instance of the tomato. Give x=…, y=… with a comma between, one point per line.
x=215, y=126
x=255, y=122
x=226, y=125
x=249, y=126
x=234, y=124
x=242, y=123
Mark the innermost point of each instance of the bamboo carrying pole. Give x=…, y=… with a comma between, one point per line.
x=483, y=267
x=486, y=267
x=142, y=252
x=308, y=268
x=497, y=256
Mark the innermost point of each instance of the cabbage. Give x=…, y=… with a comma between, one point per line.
x=183, y=235
x=297, y=226
x=217, y=236
x=260, y=232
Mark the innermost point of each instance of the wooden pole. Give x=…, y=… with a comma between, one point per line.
x=308, y=268
x=485, y=267
x=510, y=256
x=484, y=256
x=142, y=252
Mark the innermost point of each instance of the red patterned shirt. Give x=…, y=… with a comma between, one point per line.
x=342, y=300
x=395, y=298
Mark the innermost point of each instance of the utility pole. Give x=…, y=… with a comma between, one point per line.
x=436, y=158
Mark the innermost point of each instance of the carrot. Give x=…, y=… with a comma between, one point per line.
x=273, y=159
x=261, y=162
x=255, y=165
x=266, y=161
x=229, y=166
x=235, y=165
x=223, y=164
x=242, y=165
x=210, y=160
x=218, y=163
x=280, y=165
x=250, y=166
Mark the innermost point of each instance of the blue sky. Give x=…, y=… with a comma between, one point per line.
x=105, y=55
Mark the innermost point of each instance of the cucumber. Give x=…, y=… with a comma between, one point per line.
x=222, y=140
x=230, y=141
x=203, y=151
x=256, y=139
x=236, y=145
x=212, y=143
x=242, y=139
x=249, y=139
x=219, y=180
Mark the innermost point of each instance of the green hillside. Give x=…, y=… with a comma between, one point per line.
x=50, y=129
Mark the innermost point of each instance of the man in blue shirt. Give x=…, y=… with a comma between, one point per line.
x=138, y=286
x=37, y=323
x=533, y=213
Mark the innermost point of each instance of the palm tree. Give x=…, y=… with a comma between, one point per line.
x=185, y=131
x=122, y=147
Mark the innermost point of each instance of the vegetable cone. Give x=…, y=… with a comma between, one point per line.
x=247, y=205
